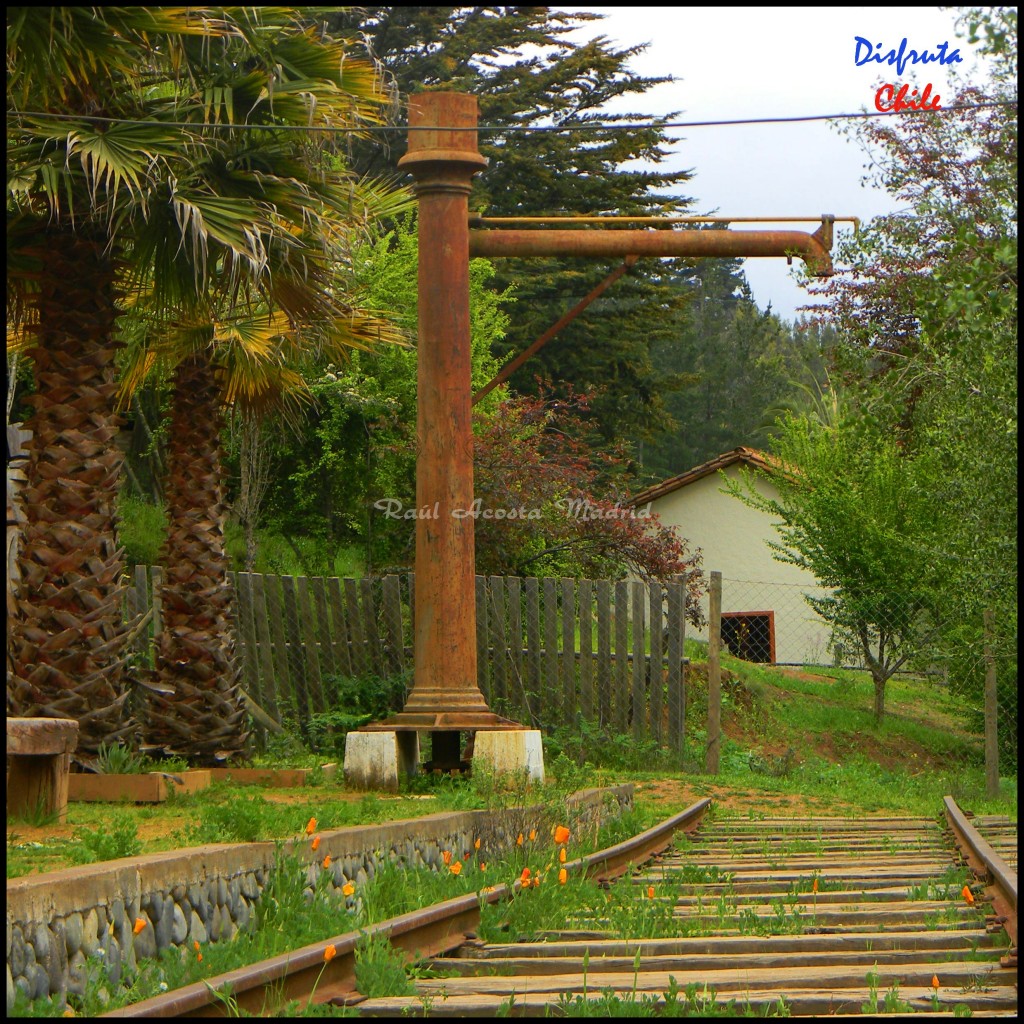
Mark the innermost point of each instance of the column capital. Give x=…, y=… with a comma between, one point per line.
x=437, y=153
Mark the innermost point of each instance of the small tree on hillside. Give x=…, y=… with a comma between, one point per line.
x=858, y=514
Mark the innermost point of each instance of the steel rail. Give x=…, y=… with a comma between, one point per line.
x=616, y=860
x=1000, y=878
x=293, y=975
x=427, y=932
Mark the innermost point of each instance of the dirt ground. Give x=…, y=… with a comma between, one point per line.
x=672, y=793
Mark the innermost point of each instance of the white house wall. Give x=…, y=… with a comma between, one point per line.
x=734, y=540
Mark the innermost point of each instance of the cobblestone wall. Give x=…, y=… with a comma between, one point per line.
x=56, y=921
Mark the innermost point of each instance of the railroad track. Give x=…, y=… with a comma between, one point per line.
x=822, y=916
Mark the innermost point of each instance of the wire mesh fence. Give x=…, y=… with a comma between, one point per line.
x=956, y=678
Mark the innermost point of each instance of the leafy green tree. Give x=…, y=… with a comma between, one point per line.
x=858, y=514
x=356, y=445
x=528, y=72
x=732, y=363
x=927, y=315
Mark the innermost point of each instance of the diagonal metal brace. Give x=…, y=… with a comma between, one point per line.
x=506, y=371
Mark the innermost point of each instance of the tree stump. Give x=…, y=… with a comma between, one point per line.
x=39, y=763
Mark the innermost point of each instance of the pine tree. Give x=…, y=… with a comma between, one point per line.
x=606, y=351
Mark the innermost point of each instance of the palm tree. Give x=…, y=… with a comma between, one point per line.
x=108, y=195
x=194, y=706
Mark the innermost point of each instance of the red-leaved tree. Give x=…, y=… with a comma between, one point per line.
x=546, y=505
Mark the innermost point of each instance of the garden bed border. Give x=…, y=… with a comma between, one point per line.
x=58, y=920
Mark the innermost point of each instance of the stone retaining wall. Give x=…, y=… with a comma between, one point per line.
x=55, y=921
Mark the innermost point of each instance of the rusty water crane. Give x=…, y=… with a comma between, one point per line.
x=443, y=158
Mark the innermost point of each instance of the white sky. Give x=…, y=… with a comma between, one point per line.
x=739, y=62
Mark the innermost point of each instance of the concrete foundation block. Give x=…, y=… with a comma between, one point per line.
x=371, y=761
x=511, y=750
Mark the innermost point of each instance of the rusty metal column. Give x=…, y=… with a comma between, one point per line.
x=445, y=696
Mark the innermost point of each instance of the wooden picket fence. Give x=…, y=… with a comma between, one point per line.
x=549, y=650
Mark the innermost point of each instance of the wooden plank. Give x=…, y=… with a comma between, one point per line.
x=533, y=645
x=339, y=627
x=293, y=651
x=550, y=699
x=760, y=1002
x=143, y=600
x=248, y=647
x=655, y=668
x=136, y=605
x=514, y=606
x=356, y=638
x=391, y=609
x=266, y=692
x=586, y=653
x=483, y=639
x=375, y=651
x=604, y=653
x=639, y=696
x=714, y=747
x=499, y=638
x=156, y=581
x=674, y=681
x=325, y=632
x=568, y=702
x=620, y=701
x=309, y=643
x=411, y=577
x=281, y=671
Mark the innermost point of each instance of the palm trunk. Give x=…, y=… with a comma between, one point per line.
x=66, y=645
x=201, y=714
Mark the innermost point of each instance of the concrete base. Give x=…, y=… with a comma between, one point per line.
x=372, y=761
x=511, y=751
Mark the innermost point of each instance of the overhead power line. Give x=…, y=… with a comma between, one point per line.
x=586, y=127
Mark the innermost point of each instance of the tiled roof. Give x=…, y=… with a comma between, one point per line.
x=748, y=456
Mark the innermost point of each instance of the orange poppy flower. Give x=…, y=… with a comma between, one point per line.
x=476, y=844
x=536, y=881
x=968, y=895
x=310, y=826
x=519, y=839
x=327, y=861
x=456, y=867
x=562, y=876
x=483, y=865
x=330, y=953
x=195, y=945
x=650, y=892
x=533, y=834
x=814, y=886
x=140, y=923
x=561, y=855
x=465, y=856
x=199, y=958
x=561, y=834
x=348, y=888
x=935, y=981
x=525, y=876
x=446, y=856
x=316, y=843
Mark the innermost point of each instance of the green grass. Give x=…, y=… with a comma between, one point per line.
x=287, y=919
x=223, y=813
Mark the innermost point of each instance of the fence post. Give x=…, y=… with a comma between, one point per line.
x=714, y=675
x=991, y=712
